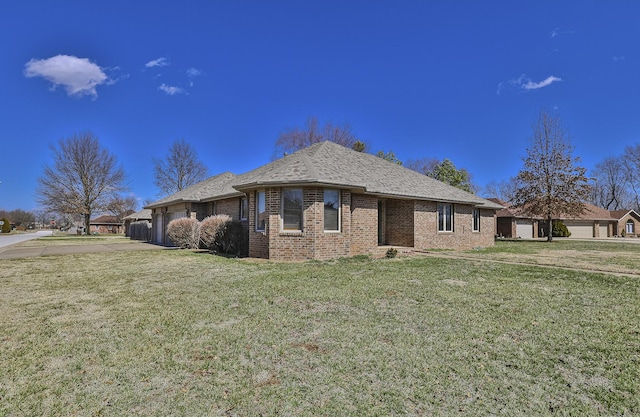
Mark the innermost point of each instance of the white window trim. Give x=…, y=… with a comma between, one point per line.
x=453, y=211
x=257, y=210
x=244, y=215
x=291, y=231
x=339, y=229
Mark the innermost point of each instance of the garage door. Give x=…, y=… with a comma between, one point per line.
x=580, y=229
x=524, y=229
x=604, y=230
x=157, y=228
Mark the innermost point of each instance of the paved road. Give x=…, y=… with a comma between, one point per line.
x=8, y=240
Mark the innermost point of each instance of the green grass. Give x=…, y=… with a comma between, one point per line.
x=183, y=333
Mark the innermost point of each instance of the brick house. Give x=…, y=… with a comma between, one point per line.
x=327, y=201
x=627, y=223
x=215, y=195
x=106, y=225
x=595, y=222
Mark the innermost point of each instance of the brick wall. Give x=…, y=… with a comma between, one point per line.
x=406, y=223
x=463, y=237
x=399, y=223
x=364, y=224
x=258, y=241
x=312, y=242
x=228, y=206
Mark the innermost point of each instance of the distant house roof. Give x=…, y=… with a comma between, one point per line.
x=619, y=214
x=333, y=165
x=144, y=214
x=211, y=189
x=591, y=212
x=105, y=220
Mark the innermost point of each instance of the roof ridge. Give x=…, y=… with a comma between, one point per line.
x=308, y=163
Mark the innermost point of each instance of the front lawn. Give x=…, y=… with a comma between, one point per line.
x=184, y=333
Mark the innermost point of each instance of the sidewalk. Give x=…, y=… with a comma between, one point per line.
x=11, y=252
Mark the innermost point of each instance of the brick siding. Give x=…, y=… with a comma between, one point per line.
x=406, y=223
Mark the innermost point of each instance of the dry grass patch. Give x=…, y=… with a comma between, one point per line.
x=614, y=257
x=180, y=333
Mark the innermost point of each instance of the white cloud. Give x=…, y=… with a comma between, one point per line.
x=525, y=83
x=618, y=58
x=530, y=85
x=193, y=72
x=557, y=32
x=160, y=62
x=171, y=90
x=79, y=76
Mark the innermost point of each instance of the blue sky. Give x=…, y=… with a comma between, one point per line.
x=462, y=80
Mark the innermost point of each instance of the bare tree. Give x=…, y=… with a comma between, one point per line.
x=122, y=206
x=83, y=178
x=551, y=183
x=631, y=163
x=610, y=188
x=22, y=218
x=180, y=169
x=504, y=190
x=293, y=140
x=44, y=217
x=423, y=165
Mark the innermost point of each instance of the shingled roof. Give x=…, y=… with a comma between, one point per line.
x=591, y=212
x=213, y=188
x=144, y=214
x=333, y=165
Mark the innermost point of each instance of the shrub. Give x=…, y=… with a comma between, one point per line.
x=391, y=253
x=232, y=238
x=6, y=225
x=209, y=229
x=184, y=233
x=560, y=229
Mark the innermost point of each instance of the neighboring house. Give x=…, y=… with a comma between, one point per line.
x=137, y=218
x=511, y=222
x=215, y=195
x=594, y=222
x=106, y=224
x=327, y=201
x=627, y=223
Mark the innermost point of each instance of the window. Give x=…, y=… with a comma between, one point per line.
x=331, y=210
x=292, y=209
x=476, y=220
x=445, y=217
x=629, y=227
x=244, y=208
x=261, y=212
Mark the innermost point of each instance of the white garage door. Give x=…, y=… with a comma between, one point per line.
x=580, y=229
x=604, y=230
x=524, y=229
x=157, y=225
